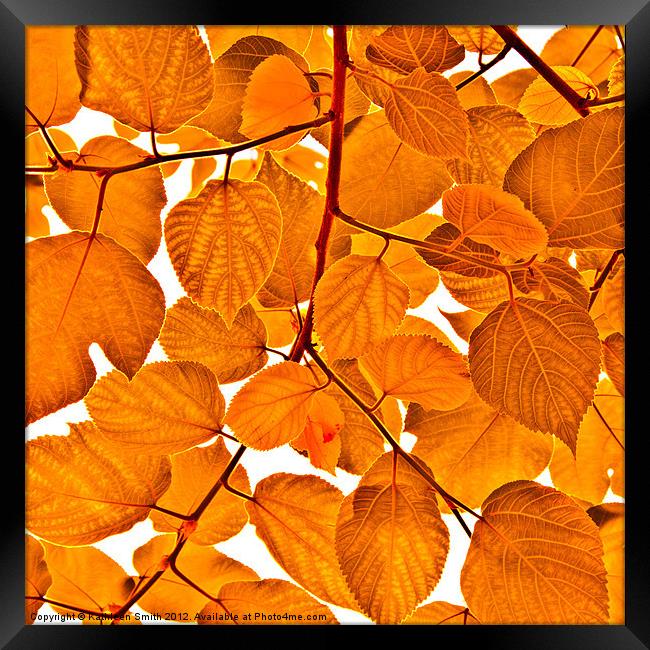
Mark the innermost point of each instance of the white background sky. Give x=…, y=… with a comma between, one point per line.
x=246, y=546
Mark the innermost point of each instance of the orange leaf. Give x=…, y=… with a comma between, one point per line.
x=554, y=280
x=542, y=104
x=416, y=325
x=463, y=322
x=477, y=38
x=493, y=217
x=151, y=78
x=358, y=302
x=536, y=558
x=167, y=407
x=51, y=83
x=278, y=95
x=479, y=293
x=510, y=88
x=37, y=577
x=538, y=362
x=266, y=602
x=82, y=290
x=616, y=78
x=610, y=519
x=473, y=449
x=451, y=240
x=38, y=153
x=86, y=578
x=402, y=259
x=82, y=489
x=132, y=203
x=383, y=181
x=223, y=243
x=441, y=613
x=361, y=443
x=404, y=48
x=419, y=369
x=391, y=540
x=295, y=516
x=272, y=407
x=614, y=358
x=232, y=73
x=497, y=134
x=198, y=334
x=571, y=179
x=223, y=37
x=302, y=210
x=599, y=452
x=564, y=47
x=424, y=111
x=476, y=93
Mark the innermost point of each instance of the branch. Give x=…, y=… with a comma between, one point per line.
x=544, y=70
x=603, y=276
x=484, y=67
x=43, y=129
x=230, y=150
x=182, y=536
x=452, y=501
x=56, y=603
x=419, y=243
x=592, y=38
x=331, y=184
x=605, y=100
x=223, y=479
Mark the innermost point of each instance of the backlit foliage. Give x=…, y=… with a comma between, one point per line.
x=339, y=178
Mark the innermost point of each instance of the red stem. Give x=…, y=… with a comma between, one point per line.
x=331, y=184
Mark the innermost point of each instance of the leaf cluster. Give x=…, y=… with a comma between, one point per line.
x=304, y=279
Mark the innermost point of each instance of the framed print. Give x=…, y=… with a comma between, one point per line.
x=325, y=323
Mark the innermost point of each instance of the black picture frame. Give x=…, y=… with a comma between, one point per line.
x=15, y=15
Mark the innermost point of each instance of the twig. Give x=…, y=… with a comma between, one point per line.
x=485, y=67
x=43, y=129
x=231, y=150
x=56, y=603
x=587, y=44
x=601, y=101
x=545, y=71
x=600, y=280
